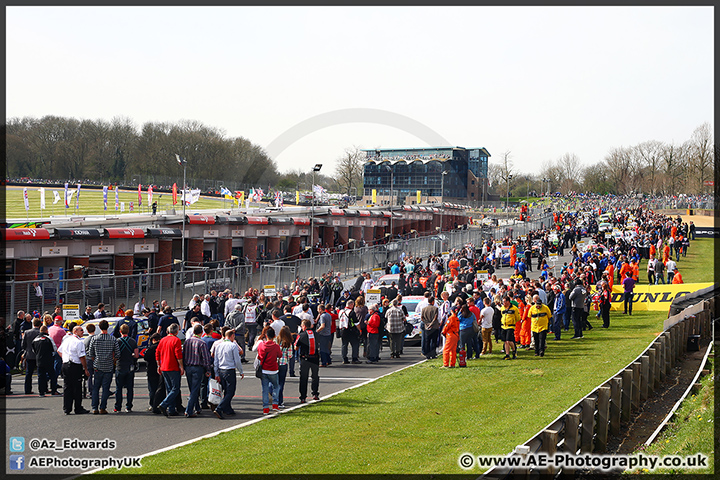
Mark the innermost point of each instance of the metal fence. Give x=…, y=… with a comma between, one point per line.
x=352, y=262
x=176, y=287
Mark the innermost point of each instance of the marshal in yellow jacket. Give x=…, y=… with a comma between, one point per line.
x=540, y=317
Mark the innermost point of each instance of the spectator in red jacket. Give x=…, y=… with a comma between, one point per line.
x=170, y=365
x=373, y=329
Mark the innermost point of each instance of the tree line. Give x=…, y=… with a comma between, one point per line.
x=651, y=167
x=60, y=148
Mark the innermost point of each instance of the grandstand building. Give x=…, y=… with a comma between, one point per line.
x=414, y=170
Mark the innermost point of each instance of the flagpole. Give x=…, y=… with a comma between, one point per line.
x=182, y=265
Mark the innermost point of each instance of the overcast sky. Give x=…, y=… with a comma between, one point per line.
x=535, y=81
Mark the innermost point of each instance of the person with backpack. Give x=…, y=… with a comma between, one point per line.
x=349, y=329
x=309, y=356
x=236, y=320
x=251, y=312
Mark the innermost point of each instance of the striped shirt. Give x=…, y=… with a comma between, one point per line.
x=195, y=352
x=104, y=349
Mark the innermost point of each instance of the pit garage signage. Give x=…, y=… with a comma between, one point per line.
x=269, y=290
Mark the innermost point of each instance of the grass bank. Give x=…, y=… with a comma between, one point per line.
x=691, y=430
x=421, y=419
x=697, y=267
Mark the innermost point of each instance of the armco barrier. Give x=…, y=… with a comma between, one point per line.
x=586, y=426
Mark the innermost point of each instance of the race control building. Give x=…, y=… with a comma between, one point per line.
x=442, y=174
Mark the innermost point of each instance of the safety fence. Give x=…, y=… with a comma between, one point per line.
x=586, y=426
x=350, y=263
x=177, y=286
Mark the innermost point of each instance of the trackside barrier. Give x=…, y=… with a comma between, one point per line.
x=90, y=287
x=586, y=426
x=176, y=287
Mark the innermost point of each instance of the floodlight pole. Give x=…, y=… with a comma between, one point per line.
x=316, y=168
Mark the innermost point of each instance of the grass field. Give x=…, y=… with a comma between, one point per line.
x=697, y=267
x=691, y=430
x=91, y=203
x=421, y=419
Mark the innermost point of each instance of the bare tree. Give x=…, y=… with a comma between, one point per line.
x=550, y=171
x=648, y=155
x=349, y=169
x=595, y=179
x=673, y=167
x=570, y=168
x=620, y=169
x=701, y=154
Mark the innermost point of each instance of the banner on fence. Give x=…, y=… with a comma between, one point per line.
x=655, y=298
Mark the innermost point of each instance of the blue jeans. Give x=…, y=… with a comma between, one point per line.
x=566, y=318
x=269, y=380
x=57, y=365
x=323, y=342
x=466, y=341
x=627, y=302
x=282, y=375
x=477, y=345
x=429, y=342
x=101, y=379
x=294, y=358
x=660, y=278
x=557, y=325
x=228, y=382
x=194, y=375
x=172, y=386
x=124, y=379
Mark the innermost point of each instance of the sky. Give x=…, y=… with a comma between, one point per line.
x=537, y=82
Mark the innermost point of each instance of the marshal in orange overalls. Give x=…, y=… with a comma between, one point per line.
x=451, y=330
x=525, y=331
x=453, y=265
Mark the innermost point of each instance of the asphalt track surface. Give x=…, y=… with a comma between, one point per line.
x=140, y=432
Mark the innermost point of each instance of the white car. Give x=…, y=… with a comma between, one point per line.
x=411, y=302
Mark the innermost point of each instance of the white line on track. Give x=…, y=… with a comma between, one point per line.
x=250, y=422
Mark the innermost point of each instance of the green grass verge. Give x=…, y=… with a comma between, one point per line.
x=91, y=203
x=691, y=431
x=697, y=267
x=421, y=419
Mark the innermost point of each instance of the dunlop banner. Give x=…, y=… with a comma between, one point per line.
x=653, y=297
